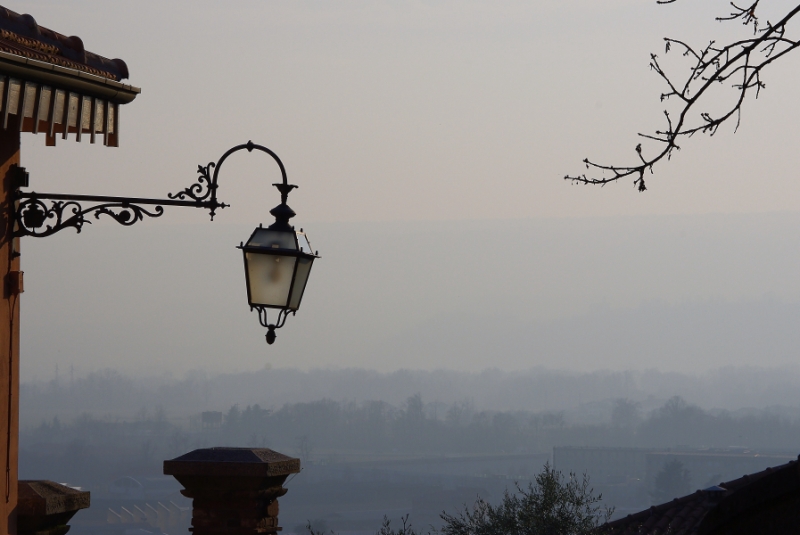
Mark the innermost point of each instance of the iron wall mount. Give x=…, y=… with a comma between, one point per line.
x=44, y=214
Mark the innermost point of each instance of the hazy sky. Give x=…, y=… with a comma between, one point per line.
x=429, y=140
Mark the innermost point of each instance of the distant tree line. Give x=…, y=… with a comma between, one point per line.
x=378, y=427
x=418, y=428
x=587, y=397
x=98, y=448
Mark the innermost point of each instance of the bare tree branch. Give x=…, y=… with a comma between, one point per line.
x=739, y=63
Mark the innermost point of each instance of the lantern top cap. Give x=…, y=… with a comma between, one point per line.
x=281, y=241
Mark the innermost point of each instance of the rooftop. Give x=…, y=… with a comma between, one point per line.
x=22, y=36
x=724, y=504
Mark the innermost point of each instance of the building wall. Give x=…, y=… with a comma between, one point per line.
x=9, y=337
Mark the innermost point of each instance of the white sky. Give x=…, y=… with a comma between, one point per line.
x=390, y=115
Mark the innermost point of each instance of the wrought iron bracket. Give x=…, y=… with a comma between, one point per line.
x=263, y=318
x=44, y=214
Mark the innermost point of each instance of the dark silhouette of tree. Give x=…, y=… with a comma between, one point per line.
x=671, y=482
x=232, y=419
x=737, y=65
x=551, y=504
x=678, y=422
x=415, y=410
x=676, y=408
x=459, y=414
x=318, y=526
x=304, y=448
x=625, y=413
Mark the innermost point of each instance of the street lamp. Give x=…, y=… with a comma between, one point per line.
x=277, y=259
x=277, y=263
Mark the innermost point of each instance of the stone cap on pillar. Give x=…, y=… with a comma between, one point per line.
x=248, y=462
x=46, y=506
x=234, y=491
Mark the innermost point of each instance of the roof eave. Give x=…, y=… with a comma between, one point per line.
x=66, y=78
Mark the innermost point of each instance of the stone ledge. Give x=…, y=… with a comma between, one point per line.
x=45, y=507
x=249, y=462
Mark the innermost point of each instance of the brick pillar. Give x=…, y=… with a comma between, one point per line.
x=234, y=491
x=9, y=335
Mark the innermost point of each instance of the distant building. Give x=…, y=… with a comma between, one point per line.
x=211, y=419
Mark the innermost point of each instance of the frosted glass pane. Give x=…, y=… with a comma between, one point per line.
x=263, y=237
x=303, y=269
x=270, y=278
x=302, y=242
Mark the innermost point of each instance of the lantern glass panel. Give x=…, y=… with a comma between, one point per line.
x=300, y=279
x=273, y=239
x=303, y=244
x=270, y=278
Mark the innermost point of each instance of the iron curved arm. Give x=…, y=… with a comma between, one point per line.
x=249, y=146
x=284, y=187
x=35, y=217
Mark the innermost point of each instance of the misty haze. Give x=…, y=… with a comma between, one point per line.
x=473, y=322
x=412, y=442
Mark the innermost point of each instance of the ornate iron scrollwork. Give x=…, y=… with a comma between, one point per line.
x=44, y=214
x=35, y=218
x=200, y=190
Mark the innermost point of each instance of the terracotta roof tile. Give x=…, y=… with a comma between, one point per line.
x=22, y=36
x=685, y=515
